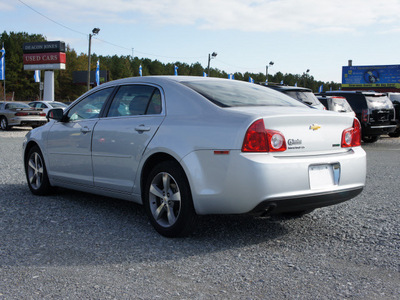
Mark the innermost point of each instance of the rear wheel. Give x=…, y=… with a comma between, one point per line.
x=370, y=138
x=36, y=173
x=395, y=134
x=168, y=200
x=4, y=124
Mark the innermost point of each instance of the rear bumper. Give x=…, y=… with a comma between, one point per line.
x=16, y=121
x=378, y=129
x=305, y=202
x=241, y=183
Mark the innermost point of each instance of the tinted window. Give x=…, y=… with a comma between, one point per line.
x=230, y=94
x=339, y=104
x=132, y=100
x=89, y=107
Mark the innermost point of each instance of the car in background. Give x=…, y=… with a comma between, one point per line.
x=45, y=106
x=303, y=95
x=185, y=146
x=395, y=98
x=20, y=114
x=336, y=103
x=374, y=111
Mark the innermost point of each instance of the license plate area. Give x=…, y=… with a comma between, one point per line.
x=324, y=175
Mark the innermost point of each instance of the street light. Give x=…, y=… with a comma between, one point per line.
x=94, y=31
x=305, y=75
x=271, y=63
x=210, y=56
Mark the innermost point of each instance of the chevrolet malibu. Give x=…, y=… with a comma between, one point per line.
x=190, y=146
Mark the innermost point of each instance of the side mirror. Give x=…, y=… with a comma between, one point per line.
x=55, y=114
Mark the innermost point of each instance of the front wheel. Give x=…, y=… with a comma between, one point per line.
x=36, y=173
x=168, y=200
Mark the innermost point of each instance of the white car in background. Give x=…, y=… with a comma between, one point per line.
x=189, y=146
x=45, y=106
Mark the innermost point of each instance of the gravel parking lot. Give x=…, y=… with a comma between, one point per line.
x=73, y=245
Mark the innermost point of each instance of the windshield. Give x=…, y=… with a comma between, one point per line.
x=230, y=93
x=379, y=102
x=306, y=97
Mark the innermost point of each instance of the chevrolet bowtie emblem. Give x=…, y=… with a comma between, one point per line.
x=314, y=127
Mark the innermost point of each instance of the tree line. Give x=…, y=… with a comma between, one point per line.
x=20, y=84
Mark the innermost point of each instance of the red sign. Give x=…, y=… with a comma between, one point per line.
x=44, y=58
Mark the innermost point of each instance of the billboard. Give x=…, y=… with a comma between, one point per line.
x=371, y=76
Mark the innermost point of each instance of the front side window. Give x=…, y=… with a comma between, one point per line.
x=133, y=100
x=89, y=107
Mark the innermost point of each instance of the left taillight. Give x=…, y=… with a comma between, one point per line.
x=21, y=114
x=351, y=137
x=260, y=139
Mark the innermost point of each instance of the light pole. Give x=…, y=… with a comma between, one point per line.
x=305, y=75
x=271, y=63
x=94, y=31
x=210, y=56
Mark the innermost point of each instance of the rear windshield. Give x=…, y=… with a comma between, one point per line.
x=379, y=102
x=306, y=97
x=17, y=106
x=231, y=93
x=58, y=105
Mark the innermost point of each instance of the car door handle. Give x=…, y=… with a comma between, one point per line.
x=142, y=128
x=85, y=130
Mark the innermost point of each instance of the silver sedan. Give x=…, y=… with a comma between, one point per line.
x=189, y=146
x=20, y=114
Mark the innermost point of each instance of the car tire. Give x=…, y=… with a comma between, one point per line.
x=4, y=124
x=370, y=138
x=36, y=172
x=395, y=134
x=168, y=200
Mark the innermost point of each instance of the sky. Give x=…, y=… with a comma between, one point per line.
x=319, y=35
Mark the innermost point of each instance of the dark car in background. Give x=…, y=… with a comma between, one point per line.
x=374, y=111
x=395, y=98
x=303, y=95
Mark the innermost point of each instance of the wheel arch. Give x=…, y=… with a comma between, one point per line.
x=28, y=147
x=150, y=163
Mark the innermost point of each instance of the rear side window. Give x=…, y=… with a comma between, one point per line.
x=229, y=93
x=133, y=100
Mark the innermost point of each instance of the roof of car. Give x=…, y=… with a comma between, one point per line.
x=353, y=92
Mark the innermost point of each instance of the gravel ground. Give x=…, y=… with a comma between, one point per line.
x=73, y=245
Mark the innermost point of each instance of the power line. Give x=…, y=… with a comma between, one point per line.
x=101, y=40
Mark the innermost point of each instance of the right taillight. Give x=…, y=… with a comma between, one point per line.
x=259, y=139
x=365, y=115
x=351, y=137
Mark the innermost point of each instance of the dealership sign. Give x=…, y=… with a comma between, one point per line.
x=371, y=76
x=43, y=47
x=44, y=56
